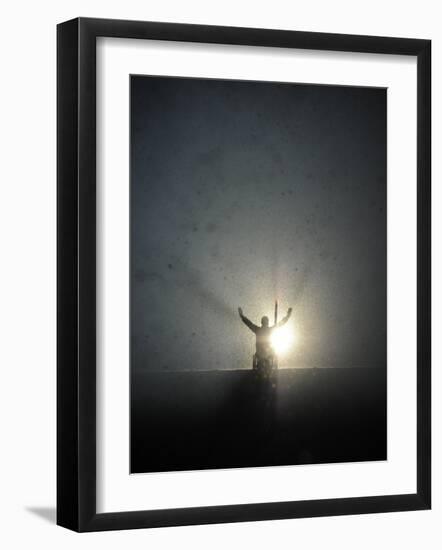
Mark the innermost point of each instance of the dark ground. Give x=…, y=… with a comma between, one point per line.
x=230, y=419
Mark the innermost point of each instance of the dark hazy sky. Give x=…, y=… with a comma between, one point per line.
x=243, y=192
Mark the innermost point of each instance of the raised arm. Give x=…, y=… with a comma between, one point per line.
x=285, y=319
x=246, y=321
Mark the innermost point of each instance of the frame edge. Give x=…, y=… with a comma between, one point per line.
x=424, y=274
x=67, y=275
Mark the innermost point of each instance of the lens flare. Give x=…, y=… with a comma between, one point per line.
x=282, y=339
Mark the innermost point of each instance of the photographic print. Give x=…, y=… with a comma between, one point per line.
x=258, y=274
x=222, y=274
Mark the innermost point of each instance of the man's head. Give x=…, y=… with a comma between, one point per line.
x=265, y=321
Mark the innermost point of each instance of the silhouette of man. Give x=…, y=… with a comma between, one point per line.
x=263, y=333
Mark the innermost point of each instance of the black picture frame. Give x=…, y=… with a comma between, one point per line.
x=76, y=274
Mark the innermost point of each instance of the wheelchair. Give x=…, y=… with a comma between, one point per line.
x=265, y=364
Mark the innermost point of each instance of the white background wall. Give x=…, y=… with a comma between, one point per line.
x=27, y=289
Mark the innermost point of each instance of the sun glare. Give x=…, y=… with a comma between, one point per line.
x=282, y=339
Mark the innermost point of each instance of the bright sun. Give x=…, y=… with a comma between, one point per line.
x=282, y=339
